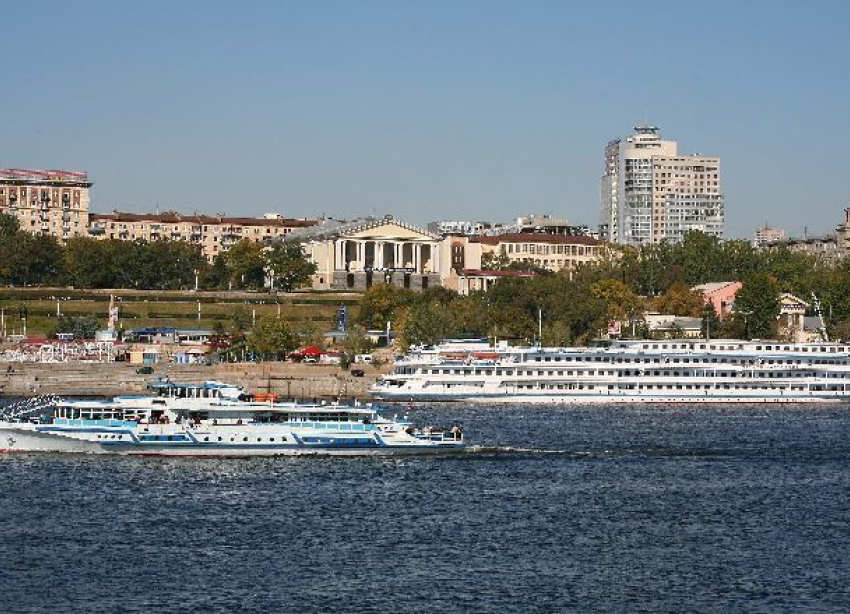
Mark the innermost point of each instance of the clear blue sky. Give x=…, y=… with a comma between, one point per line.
x=426, y=110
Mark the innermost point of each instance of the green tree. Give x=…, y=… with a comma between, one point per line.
x=384, y=303
x=174, y=265
x=557, y=333
x=621, y=302
x=245, y=265
x=272, y=338
x=356, y=341
x=494, y=261
x=680, y=300
x=90, y=263
x=9, y=226
x=757, y=305
x=240, y=320
x=31, y=260
x=216, y=276
x=424, y=324
x=82, y=327
x=289, y=265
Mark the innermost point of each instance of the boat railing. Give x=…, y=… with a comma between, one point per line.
x=27, y=408
x=431, y=434
x=86, y=422
x=333, y=426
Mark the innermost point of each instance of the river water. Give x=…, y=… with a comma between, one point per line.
x=667, y=509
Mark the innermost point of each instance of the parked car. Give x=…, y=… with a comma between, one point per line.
x=357, y=373
x=144, y=370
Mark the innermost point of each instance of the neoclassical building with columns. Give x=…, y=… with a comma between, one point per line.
x=355, y=255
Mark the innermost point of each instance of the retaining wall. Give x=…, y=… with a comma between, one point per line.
x=296, y=381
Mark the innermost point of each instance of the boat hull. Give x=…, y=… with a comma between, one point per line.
x=599, y=399
x=24, y=439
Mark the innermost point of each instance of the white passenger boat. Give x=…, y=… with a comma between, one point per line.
x=670, y=371
x=213, y=419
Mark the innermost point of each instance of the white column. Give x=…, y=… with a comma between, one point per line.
x=379, y=254
x=398, y=251
x=435, y=259
x=417, y=257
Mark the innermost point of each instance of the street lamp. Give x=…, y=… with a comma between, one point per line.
x=746, y=314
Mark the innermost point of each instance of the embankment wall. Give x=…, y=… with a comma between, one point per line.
x=289, y=380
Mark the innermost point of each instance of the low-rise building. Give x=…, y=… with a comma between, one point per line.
x=824, y=247
x=214, y=234
x=545, y=251
x=464, y=257
x=721, y=295
x=767, y=234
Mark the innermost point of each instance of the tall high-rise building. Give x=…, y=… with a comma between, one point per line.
x=47, y=202
x=651, y=194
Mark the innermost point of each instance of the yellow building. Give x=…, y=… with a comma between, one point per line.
x=215, y=234
x=52, y=203
x=464, y=255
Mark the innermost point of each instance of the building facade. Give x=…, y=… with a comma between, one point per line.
x=214, y=234
x=54, y=203
x=766, y=235
x=842, y=234
x=462, y=257
x=823, y=247
x=650, y=193
x=546, y=251
x=359, y=254
x=721, y=295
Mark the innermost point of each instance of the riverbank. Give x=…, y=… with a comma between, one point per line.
x=289, y=380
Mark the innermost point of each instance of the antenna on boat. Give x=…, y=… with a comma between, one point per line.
x=819, y=312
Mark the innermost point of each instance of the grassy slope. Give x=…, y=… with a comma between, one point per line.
x=179, y=309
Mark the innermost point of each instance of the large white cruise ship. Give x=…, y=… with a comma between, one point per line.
x=670, y=371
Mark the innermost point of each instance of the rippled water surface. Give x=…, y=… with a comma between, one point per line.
x=564, y=509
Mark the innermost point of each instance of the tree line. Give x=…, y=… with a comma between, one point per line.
x=27, y=259
x=622, y=286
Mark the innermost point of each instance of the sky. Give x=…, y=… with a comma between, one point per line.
x=446, y=109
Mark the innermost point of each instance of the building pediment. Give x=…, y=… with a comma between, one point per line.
x=388, y=230
x=788, y=303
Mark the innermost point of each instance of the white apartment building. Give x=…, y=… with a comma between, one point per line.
x=651, y=194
